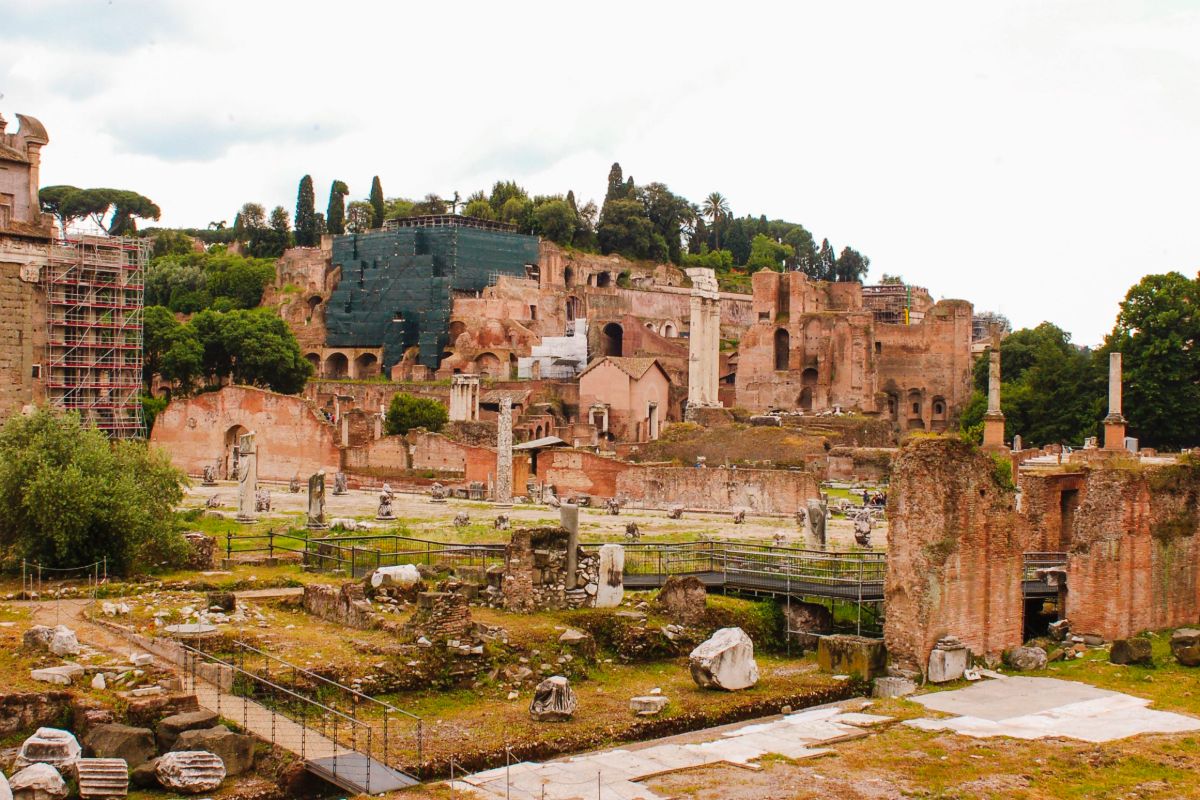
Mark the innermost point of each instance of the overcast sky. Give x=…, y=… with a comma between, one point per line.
x=1035, y=158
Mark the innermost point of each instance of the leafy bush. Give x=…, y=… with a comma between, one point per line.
x=407, y=412
x=69, y=496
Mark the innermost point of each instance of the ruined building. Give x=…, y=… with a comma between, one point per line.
x=816, y=346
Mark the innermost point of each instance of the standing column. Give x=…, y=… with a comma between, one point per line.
x=504, y=453
x=704, y=339
x=993, y=420
x=1114, y=423
x=247, y=477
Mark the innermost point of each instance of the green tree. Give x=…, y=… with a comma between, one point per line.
x=479, y=208
x=616, y=184
x=716, y=211
x=851, y=265
x=766, y=253
x=307, y=234
x=335, y=214
x=376, y=200
x=556, y=220
x=738, y=239
x=159, y=328
x=70, y=203
x=69, y=496
x=502, y=192
x=668, y=213
x=407, y=412
x=171, y=243
x=1157, y=331
x=358, y=216
x=626, y=229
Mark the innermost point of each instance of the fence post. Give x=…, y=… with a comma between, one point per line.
x=270, y=544
x=228, y=547
x=353, y=560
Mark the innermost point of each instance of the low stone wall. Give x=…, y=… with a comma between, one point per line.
x=23, y=711
x=345, y=605
x=761, y=490
x=535, y=578
x=859, y=463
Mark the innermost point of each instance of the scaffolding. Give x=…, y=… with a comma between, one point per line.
x=95, y=289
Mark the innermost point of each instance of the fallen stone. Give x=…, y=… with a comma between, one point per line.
x=134, y=745
x=38, y=782
x=38, y=637
x=647, y=706
x=5, y=789
x=147, y=691
x=63, y=642
x=553, y=700
x=402, y=575
x=235, y=749
x=1131, y=651
x=143, y=776
x=852, y=655
x=1185, y=646
x=724, y=661
x=1059, y=630
x=60, y=676
x=889, y=686
x=102, y=777
x=684, y=599
x=190, y=771
x=52, y=746
x=169, y=728
x=1025, y=659
x=98, y=682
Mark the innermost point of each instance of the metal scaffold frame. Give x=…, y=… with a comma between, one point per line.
x=95, y=288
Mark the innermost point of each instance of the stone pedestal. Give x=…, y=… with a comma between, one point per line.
x=948, y=661
x=856, y=656
x=993, y=431
x=247, y=478
x=611, y=586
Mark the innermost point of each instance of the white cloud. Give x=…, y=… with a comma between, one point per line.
x=1035, y=158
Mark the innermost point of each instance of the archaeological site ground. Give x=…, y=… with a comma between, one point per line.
x=478, y=499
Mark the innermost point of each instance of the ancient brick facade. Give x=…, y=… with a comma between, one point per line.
x=535, y=572
x=955, y=553
x=761, y=490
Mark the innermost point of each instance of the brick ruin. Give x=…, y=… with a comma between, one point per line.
x=536, y=573
x=1126, y=529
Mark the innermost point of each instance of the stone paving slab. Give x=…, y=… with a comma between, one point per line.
x=1037, y=708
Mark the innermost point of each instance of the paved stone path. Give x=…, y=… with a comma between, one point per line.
x=615, y=774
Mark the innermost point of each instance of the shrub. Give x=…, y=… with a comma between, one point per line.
x=408, y=412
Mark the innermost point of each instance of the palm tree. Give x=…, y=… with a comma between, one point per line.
x=716, y=207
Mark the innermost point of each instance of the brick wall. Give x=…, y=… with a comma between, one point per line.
x=769, y=491
x=955, y=553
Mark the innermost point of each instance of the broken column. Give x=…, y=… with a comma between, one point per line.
x=1114, y=423
x=504, y=453
x=568, y=517
x=316, y=501
x=610, y=587
x=247, y=477
x=704, y=340
x=464, y=398
x=993, y=420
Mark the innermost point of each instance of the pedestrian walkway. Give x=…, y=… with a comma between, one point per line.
x=616, y=774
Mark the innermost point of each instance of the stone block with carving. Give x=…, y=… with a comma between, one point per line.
x=235, y=749
x=38, y=782
x=553, y=700
x=102, y=777
x=190, y=771
x=724, y=661
x=52, y=746
x=948, y=661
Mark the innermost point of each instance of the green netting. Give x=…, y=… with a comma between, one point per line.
x=396, y=286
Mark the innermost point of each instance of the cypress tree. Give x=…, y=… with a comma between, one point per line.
x=376, y=199
x=616, y=183
x=306, y=216
x=335, y=214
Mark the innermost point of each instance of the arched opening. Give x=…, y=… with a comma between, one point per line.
x=893, y=400
x=650, y=326
x=337, y=365
x=457, y=328
x=603, y=279
x=782, y=346
x=512, y=366
x=228, y=466
x=612, y=339
x=314, y=304
x=315, y=360
x=488, y=364
x=569, y=276
x=938, y=414
x=366, y=366
x=808, y=380
x=165, y=393
x=669, y=330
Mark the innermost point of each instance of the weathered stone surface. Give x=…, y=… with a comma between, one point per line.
x=102, y=777
x=948, y=661
x=647, y=706
x=553, y=700
x=890, y=686
x=5, y=789
x=134, y=745
x=852, y=655
x=22, y=711
x=402, y=575
x=1185, y=646
x=52, y=746
x=144, y=776
x=610, y=588
x=1027, y=658
x=62, y=675
x=579, y=641
x=169, y=728
x=38, y=782
x=190, y=772
x=806, y=622
x=684, y=599
x=724, y=661
x=1131, y=651
x=223, y=601
x=38, y=637
x=235, y=749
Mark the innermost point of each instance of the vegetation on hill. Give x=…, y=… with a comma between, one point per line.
x=123, y=207
x=188, y=281
x=407, y=412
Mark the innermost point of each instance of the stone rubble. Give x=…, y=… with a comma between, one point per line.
x=724, y=661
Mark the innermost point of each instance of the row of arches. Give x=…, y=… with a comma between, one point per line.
x=338, y=366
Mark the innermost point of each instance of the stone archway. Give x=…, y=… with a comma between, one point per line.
x=489, y=364
x=337, y=366
x=612, y=340
x=366, y=366
x=232, y=435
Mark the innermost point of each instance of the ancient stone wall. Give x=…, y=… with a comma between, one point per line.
x=859, y=463
x=345, y=605
x=440, y=616
x=22, y=323
x=955, y=553
x=1134, y=553
x=293, y=439
x=762, y=490
x=580, y=472
x=535, y=572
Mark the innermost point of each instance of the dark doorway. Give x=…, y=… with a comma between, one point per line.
x=612, y=339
